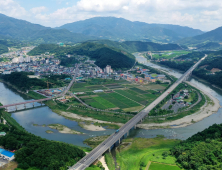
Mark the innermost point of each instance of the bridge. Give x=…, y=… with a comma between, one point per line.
x=41, y=100
x=115, y=138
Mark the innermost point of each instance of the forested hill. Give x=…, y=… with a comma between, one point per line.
x=121, y=29
x=211, y=36
x=202, y=151
x=139, y=46
x=23, y=30
x=102, y=54
x=214, y=60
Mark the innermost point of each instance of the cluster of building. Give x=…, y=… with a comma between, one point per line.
x=146, y=78
x=50, y=92
x=179, y=97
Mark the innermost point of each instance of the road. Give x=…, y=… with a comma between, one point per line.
x=41, y=100
x=112, y=139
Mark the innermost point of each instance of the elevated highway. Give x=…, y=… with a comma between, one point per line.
x=115, y=138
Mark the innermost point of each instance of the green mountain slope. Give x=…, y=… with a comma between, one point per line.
x=118, y=28
x=211, y=36
x=102, y=54
x=23, y=30
x=139, y=46
x=202, y=151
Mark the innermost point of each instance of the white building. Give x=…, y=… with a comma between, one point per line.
x=108, y=69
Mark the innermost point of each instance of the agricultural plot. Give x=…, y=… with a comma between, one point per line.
x=158, y=166
x=104, y=102
x=94, y=103
x=123, y=99
x=169, y=55
x=138, y=90
x=113, y=100
x=133, y=97
x=156, y=86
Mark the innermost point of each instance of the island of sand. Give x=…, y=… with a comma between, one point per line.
x=63, y=129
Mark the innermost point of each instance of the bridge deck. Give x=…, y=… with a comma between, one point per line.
x=112, y=139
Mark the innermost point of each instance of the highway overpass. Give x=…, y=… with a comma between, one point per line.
x=124, y=130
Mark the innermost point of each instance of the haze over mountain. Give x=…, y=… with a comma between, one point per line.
x=23, y=30
x=211, y=36
x=119, y=28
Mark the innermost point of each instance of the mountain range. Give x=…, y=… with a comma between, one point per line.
x=111, y=28
x=23, y=30
x=211, y=36
x=121, y=29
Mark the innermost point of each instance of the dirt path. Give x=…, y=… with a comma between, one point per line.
x=102, y=160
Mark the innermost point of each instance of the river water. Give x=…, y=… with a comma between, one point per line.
x=43, y=115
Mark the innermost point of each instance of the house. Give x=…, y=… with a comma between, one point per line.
x=7, y=155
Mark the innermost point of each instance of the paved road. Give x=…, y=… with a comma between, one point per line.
x=104, y=146
x=41, y=100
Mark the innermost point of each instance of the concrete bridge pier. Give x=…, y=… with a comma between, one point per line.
x=41, y=103
x=135, y=127
x=6, y=109
x=16, y=107
x=24, y=106
x=33, y=104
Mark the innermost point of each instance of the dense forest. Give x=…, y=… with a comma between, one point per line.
x=3, y=49
x=102, y=54
x=34, y=151
x=202, y=151
x=68, y=62
x=22, y=82
x=139, y=46
x=210, y=62
x=194, y=56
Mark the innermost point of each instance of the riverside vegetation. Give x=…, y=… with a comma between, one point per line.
x=33, y=151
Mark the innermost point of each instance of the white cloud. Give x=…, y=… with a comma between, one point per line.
x=12, y=8
x=38, y=10
x=101, y=5
x=202, y=14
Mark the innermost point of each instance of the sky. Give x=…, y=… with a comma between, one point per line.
x=205, y=15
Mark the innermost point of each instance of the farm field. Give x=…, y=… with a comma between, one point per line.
x=134, y=152
x=158, y=166
x=169, y=54
x=117, y=95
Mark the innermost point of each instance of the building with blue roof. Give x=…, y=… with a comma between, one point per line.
x=6, y=154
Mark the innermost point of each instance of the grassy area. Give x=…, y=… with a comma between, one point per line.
x=10, y=120
x=135, y=153
x=109, y=161
x=104, y=102
x=49, y=131
x=170, y=54
x=35, y=95
x=95, y=141
x=111, y=117
x=159, y=166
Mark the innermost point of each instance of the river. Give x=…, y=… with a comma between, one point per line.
x=44, y=115
x=184, y=132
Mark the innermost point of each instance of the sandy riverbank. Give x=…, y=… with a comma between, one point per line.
x=89, y=119
x=205, y=111
x=63, y=129
x=92, y=127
